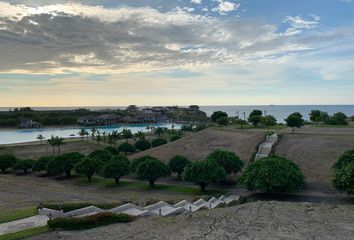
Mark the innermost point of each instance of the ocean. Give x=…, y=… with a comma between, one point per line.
x=280, y=112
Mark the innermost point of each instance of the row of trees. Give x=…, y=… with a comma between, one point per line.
x=320, y=117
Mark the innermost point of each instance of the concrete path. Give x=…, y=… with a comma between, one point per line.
x=23, y=224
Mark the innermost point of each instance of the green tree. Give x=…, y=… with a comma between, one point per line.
x=228, y=160
x=318, y=116
x=64, y=163
x=83, y=133
x=338, y=118
x=102, y=155
x=88, y=167
x=295, y=120
x=151, y=170
x=344, y=178
x=346, y=158
x=111, y=150
x=116, y=168
x=218, y=114
x=40, y=137
x=126, y=148
x=177, y=164
x=223, y=121
x=241, y=122
x=273, y=174
x=158, y=142
x=159, y=131
x=135, y=163
x=204, y=172
x=6, y=161
x=139, y=135
x=127, y=134
x=269, y=121
x=142, y=145
x=41, y=164
x=23, y=165
x=255, y=117
x=175, y=137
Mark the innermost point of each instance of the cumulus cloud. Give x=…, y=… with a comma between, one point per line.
x=84, y=38
x=225, y=6
x=196, y=1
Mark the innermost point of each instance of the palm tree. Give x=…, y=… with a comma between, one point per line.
x=58, y=142
x=98, y=137
x=115, y=137
x=159, y=131
x=148, y=128
x=51, y=142
x=40, y=137
x=82, y=133
x=140, y=135
x=93, y=131
x=104, y=135
x=126, y=134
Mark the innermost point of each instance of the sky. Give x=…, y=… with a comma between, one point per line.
x=180, y=52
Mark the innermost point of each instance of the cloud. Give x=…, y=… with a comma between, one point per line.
x=225, y=6
x=196, y=1
x=297, y=22
x=75, y=37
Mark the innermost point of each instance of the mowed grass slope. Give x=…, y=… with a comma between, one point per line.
x=314, y=153
x=197, y=146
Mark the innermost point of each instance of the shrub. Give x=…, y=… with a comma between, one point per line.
x=126, y=147
x=338, y=118
x=295, y=120
x=142, y=145
x=223, y=121
x=228, y=160
x=100, y=219
x=273, y=174
x=111, y=150
x=204, y=172
x=41, y=164
x=64, y=163
x=6, y=161
x=174, y=137
x=177, y=164
x=88, y=166
x=117, y=167
x=344, y=159
x=255, y=117
x=23, y=165
x=344, y=178
x=151, y=170
x=158, y=142
x=100, y=154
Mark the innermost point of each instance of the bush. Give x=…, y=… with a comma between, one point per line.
x=345, y=159
x=64, y=163
x=338, y=118
x=158, y=142
x=126, y=147
x=228, y=160
x=41, y=164
x=142, y=145
x=177, y=164
x=218, y=114
x=111, y=150
x=88, y=166
x=174, y=137
x=6, y=161
x=204, y=172
x=116, y=168
x=102, y=155
x=295, y=120
x=100, y=219
x=151, y=170
x=23, y=165
x=273, y=174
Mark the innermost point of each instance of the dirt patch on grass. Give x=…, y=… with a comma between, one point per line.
x=258, y=220
x=314, y=153
x=199, y=145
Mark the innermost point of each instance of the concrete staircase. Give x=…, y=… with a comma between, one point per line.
x=266, y=147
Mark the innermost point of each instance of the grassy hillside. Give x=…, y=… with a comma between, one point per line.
x=199, y=145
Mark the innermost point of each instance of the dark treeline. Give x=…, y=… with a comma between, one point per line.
x=51, y=117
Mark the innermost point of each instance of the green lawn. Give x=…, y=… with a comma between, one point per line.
x=25, y=233
x=18, y=214
x=144, y=186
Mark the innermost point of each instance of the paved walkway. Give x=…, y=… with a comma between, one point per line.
x=23, y=224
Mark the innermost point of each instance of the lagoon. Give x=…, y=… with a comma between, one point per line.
x=12, y=136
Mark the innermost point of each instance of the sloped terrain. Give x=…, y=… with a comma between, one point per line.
x=257, y=220
x=197, y=146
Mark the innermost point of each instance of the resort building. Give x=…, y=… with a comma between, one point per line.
x=29, y=123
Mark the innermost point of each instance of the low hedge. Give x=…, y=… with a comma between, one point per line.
x=67, y=207
x=97, y=220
